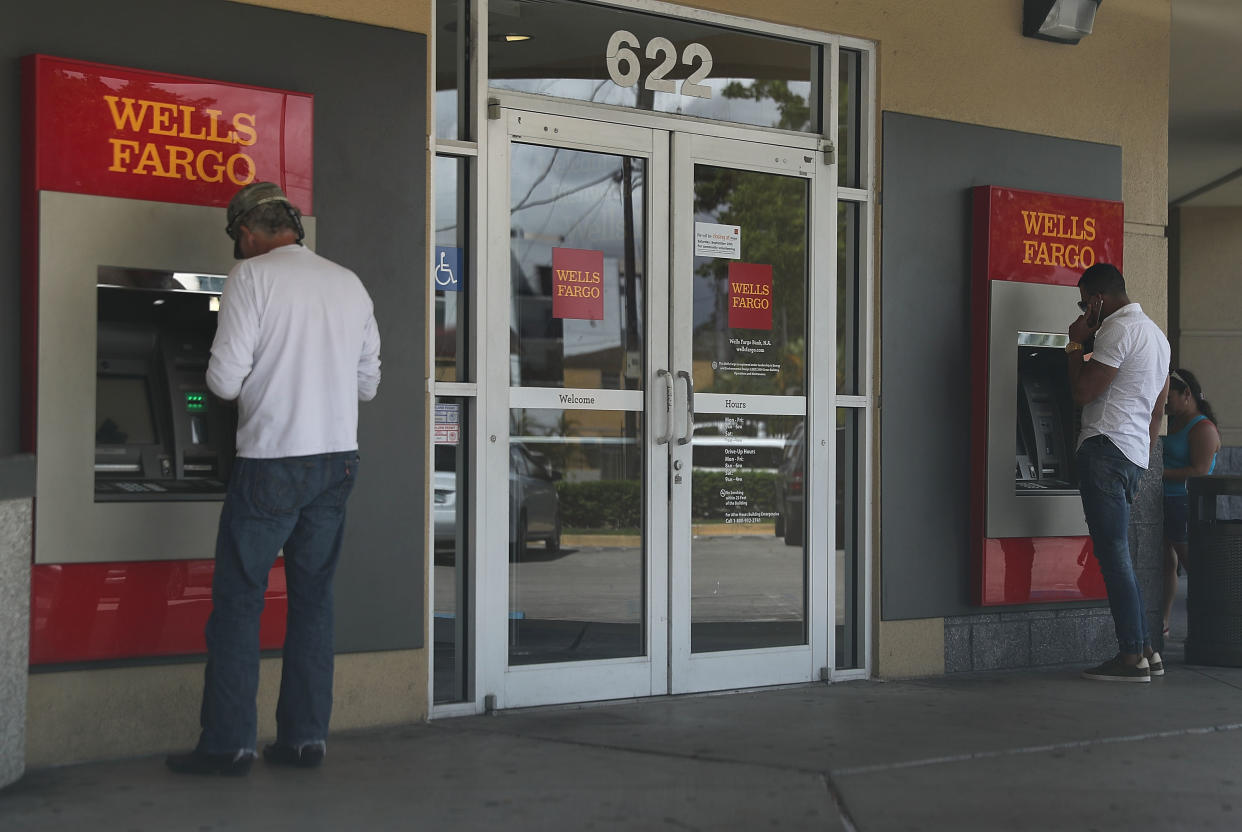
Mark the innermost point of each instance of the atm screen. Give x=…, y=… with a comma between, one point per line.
x=123, y=411
x=1047, y=418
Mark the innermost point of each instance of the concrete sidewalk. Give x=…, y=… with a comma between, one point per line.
x=998, y=751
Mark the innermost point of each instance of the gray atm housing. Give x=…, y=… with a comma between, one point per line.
x=1016, y=308
x=77, y=235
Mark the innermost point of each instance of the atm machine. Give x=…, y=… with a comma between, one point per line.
x=126, y=175
x=1029, y=536
x=159, y=433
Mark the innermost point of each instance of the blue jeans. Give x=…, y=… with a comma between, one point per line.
x=1107, y=481
x=298, y=504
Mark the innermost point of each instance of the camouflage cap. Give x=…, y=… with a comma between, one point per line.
x=245, y=201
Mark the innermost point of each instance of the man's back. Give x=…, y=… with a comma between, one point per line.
x=1132, y=343
x=297, y=345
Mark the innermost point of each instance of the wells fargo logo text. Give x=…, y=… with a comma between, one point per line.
x=578, y=283
x=155, y=152
x=1062, y=240
x=750, y=295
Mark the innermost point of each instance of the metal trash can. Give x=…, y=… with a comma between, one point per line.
x=1214, y=579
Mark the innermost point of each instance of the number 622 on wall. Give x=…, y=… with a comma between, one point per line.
x=624, y=67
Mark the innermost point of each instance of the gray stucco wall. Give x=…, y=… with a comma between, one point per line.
x=930, y=166
x=370, y=192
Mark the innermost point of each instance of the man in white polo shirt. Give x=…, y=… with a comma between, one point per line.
x=1122, y=391
x=297, y=347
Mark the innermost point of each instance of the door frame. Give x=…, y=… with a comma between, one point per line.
x=694, y=672
x=668, y=666
x=554, y=683
x=470, y=148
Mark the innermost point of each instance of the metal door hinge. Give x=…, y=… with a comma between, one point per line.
x=493, y=109
x=830, y=152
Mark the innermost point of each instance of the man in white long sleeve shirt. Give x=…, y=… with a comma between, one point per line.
x=297, y=347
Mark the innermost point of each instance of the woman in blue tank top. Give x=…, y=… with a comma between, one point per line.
x=1189, y=451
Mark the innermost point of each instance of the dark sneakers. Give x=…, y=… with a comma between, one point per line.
x=232, y=764
x=1115, y=670
x=1155, y=664
x=309, y=755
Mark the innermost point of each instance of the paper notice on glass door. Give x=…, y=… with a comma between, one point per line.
x=712, y=240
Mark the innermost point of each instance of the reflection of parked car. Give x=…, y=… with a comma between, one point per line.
x=534, y=507
x=790, y=518
x=790, y=489
x=444, y=507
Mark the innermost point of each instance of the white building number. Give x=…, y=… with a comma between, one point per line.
x=624, y=67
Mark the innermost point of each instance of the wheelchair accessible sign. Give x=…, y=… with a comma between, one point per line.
x=448, y=269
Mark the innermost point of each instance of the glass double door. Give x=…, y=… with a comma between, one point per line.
x=657, y=295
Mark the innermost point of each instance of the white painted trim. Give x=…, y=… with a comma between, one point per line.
x=745, y=24
x=448, y=710
x=452, y=147
x=739, y=405
x=460, y=389
x=574, y=398
x=630, y=117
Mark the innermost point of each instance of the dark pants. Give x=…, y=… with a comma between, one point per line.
x=298, y=504
x=1107, y=481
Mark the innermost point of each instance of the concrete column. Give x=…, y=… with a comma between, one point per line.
x=15, y=518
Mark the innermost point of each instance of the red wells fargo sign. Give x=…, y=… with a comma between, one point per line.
x=1044, y=238
x=112, y=131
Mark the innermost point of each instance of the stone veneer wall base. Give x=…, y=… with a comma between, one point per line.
x=1000, y=640
x=15, y=519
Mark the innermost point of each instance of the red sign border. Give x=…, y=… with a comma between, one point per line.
x=987, y=266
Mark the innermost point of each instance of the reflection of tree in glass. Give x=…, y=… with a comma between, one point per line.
x=772, y=212
x=794, y=110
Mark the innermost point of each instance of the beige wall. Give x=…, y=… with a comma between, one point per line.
x=968, y=61
x=410, y=15
x=82, y=715
x=1210, y=343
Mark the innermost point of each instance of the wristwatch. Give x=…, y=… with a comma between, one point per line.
x=1073, y=346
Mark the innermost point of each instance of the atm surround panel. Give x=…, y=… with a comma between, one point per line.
x=78, y=233
x=1014, y=510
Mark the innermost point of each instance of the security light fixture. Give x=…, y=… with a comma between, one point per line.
x=1060, y=21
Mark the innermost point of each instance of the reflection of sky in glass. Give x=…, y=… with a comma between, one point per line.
x=448, y=234
x=559, y=195
x=764, y=113
x=446, y=114
x=561, y=198
x=446, y=201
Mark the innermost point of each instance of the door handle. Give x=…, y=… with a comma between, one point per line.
x=685, y=439
x=668, y=407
